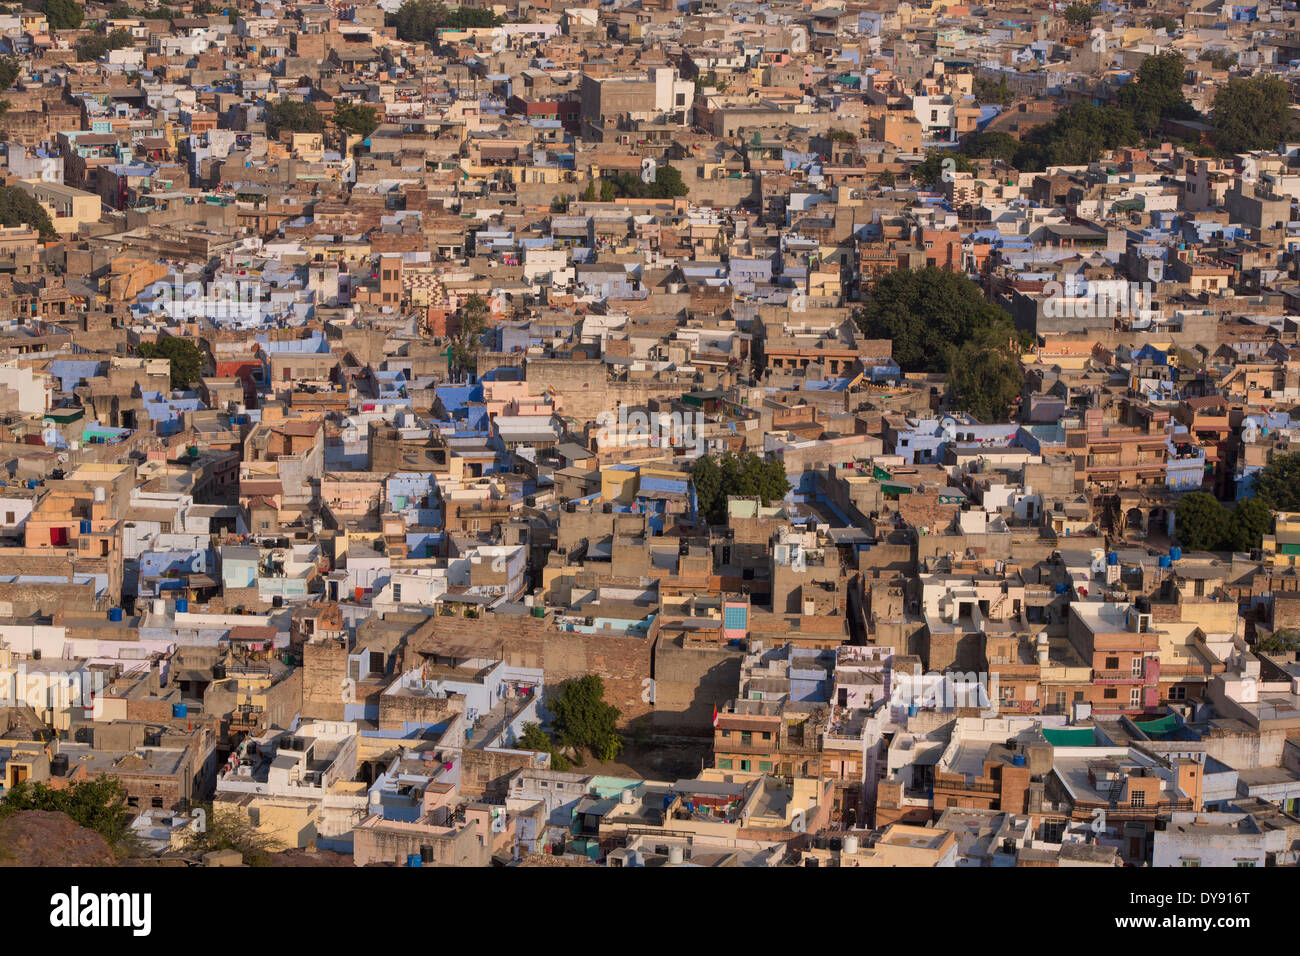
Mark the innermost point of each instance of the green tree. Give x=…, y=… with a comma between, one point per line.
x=534, y=738
x=10, y=69
x=1221, y=59
x=1252, y=112
x=1080, y=14
x=1157, y=93
x=938, y=163
x=294, y=116
x=187, y=359
x=928, y=314
x=988, y=90
x=1163, y=22
x=1080, y=135
x=1285, y=640
x=607, y=191
x=359, y=119
x=991, y=145
x=1278, y=485
x=229, y=829
x=18, y=209
x=591, y=194
x=560, y=204
x=1249, y=522
x=668, y=183
x=584, y=720
x=63, y=14
x=469, y=337
x=1202, y=522
x=418, y=21
x=985, y=381
x=96, y=45
x=717, y=477
x=886, y=179
x=98, y=805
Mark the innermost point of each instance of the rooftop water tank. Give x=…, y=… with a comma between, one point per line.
x=850, y=844
x=115, y=614
x=1175, y=554
x=1164, y=561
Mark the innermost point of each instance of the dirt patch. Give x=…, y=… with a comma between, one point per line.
x=670, y=759
x=47, y=838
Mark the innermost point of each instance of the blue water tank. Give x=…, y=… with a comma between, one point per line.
x=1112, y=558
x=1175, y=554
x=182, y=605
x=1060, y=589
x=115, y=614
x=413, y=859
x=1164, y=561
x=912, y=710
x=180, y=710
x=1017, y=760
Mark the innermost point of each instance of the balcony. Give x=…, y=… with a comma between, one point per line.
x=1117, y=677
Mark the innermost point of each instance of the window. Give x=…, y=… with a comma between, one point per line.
x=765, y=766
x=1137, y=667
x=1178, y=692
x=1137, y=798
x=1112, y=663
x=1135, y=697
x=1110, y=693
x=724, y=764
x=767, y=735
x=744, y=765
x=397, y=593
x=746, y=737
x=157, y=803
x=1242, y=864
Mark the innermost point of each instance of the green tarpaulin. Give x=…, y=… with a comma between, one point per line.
x=1069, y=736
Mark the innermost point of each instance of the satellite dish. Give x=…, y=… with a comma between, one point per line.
x=649, y=169
x=498, y=42
x=798, y=301
x=799, y=40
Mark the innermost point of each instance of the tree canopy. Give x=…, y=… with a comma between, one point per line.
x=1249, y=522
x=1080, y=14
x=294, y=116
x=360, y=119
x=98, y=805
x=985, y=381
x=930, y=172
x=63, y=14
x=1252, y=112
x=718, y=476
x=583, y=719
x=17, y=209
x=10, y=69
x=97, y=44
x=1202, y=522
x=418, y=21
x=534, y=738
x=928, y=314
x=667, y=185
x=469, y=338
x=1278, y=485
x=186, y=358
x=1157, y=92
